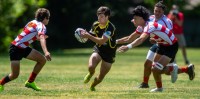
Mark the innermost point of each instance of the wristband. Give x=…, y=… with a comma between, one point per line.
x=116, y=41
x=129, y=46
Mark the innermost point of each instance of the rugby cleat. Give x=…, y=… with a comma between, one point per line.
x=174, y=73
x=143, y=85
x=191, y=72
x=1, y=88
x=32, y=86
x=157, y=90
x=92, y=89
x=87, y=78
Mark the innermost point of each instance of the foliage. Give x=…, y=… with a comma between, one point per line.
x=10, y=12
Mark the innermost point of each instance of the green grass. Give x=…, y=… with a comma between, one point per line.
x=63, y=78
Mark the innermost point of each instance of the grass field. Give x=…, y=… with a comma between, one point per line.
x=62, y=78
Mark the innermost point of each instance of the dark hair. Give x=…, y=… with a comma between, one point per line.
x=104, y=10
x=42, y=13
x=142, y=12
x=160, y=5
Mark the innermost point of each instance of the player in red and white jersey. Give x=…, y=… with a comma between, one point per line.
x=160, y=34
x=167, y=43
x=30, y=33
x=160, y=18
x=19, y=48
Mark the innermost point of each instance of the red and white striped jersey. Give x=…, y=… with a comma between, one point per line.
x=30, y=33
x=163, y=21
x=160, y=33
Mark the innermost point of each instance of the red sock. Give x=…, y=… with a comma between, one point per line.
x=184, y=69
x=159, y=84
x=5, y=80
x=171, y=68
x=32, y=77
x=146, y=79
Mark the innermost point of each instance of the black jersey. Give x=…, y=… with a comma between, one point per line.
x=107, y=49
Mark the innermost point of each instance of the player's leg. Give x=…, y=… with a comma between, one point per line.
x=94, y=60
x=15, y=69
x=16, y=54
x=163, y=57
x=105, y=68
x=160, y=62
x=188, y=70
x=147, y=66
x=40, y=62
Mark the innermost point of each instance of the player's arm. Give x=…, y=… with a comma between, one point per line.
x=135, y=43
x=128, y=39
x=97, y=40
x=44, y=47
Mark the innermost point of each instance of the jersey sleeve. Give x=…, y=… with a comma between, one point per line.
x=41, y=29
x=150, y=28
x=94, y=25
x=139, y=30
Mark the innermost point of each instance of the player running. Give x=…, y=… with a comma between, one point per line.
x=103, y=34
x=19, y=48
x=160, y=18
x=165, y=39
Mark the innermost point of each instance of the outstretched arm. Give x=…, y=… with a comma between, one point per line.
x=135, y=43
x=128, y=39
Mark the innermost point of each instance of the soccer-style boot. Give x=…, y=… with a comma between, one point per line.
x=92, y=89
x=157, y=90
x=32, y=86
x=174, y=73
x=87, y=78
x=1, y=88
x=191, y=72
x=143, y=85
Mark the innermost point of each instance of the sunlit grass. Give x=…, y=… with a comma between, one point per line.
x=63, y=78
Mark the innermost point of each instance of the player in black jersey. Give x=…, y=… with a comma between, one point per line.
x=103, y=34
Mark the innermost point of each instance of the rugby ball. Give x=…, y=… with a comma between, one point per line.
x=78, y=37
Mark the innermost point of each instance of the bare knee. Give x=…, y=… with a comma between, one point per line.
x=13, y=76
x=91, y=69
x=42, y=61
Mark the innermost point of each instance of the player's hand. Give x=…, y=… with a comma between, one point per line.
x=48, y=56
x=123, y=48
x=84, y=34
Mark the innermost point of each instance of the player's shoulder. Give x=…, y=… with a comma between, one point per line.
x=96, y=23
x=111, y=25
x=152, y=16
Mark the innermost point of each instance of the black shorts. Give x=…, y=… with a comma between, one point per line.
x=169, y=51
x=108, y=55
x=17, y=53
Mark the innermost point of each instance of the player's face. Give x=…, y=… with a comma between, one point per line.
x=102, y=19
x=133, y=22
x=138, y=21
x=46, y=20
x=158, y=12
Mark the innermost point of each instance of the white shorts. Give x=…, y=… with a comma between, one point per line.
x=150, y=55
